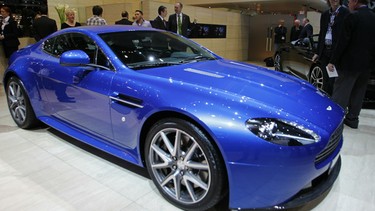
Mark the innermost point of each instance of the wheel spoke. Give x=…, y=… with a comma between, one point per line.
x=18, y=91
x=196, y=165
x=163, y=155
x=177, y=144
x=167, y=143
x=177, y=184
x=168, y=178
x=196, y=180
x=21, y=112
x=161, y=165
x=12, y=102
x=191, y=151
x=190, y=189
x=11, y=90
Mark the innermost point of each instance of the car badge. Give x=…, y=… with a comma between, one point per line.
x=329, y=108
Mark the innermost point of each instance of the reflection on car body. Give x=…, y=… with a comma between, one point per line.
x=203, y=126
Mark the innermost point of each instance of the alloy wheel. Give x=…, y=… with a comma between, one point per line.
x=317, y=77
x=16, y=102
x=179, y=165
x=277, y=62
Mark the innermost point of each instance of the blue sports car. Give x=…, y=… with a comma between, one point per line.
x=204, y=127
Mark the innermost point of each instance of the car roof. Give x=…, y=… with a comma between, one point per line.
x=107, y=29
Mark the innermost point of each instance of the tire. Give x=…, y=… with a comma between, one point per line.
x=319, y=78
x=189, y=172
x=277, y=62
x=19, y=105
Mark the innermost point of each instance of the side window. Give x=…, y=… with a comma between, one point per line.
x=57, y=45
x=62, y=44
x=48, y=45
x=86, y=44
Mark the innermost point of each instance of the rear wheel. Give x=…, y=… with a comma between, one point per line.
x=319, y=78
x=19, y=104
x=277, y=62
x=184, y=165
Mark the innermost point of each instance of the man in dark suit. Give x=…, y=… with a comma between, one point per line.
x=331, y=22
x=125, y=19
x=44, y=25
x=178, y=22
x=159, y=22
x=354, y=57
x=295, y=31
x=280, y=35
x=307, y=29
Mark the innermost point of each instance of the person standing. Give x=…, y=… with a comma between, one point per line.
x=70, y=19
x=96, y=19
x=8, y=32
x=139, y=21
x=179, y=22
x=159, y=22
x=307, y=29
x=331, y=22
x=125, y=19
x=295, y=31
x=44, y=25
x=354, y=57
x=280, y=34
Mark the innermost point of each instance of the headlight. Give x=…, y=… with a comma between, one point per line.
x=281, y=132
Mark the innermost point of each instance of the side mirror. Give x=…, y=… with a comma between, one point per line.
x=74, y=58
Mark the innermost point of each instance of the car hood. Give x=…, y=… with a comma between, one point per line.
x=270, y=93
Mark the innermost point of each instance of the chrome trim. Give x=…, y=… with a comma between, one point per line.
x=126, y=102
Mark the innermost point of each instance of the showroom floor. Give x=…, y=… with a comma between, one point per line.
x=43, y=169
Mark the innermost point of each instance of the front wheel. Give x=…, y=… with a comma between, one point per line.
x=184, y=165
x=277, y=62
x=319, y=78
x=19, y=104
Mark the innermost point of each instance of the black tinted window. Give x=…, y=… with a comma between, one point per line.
x=76, y=41
x=146, y=48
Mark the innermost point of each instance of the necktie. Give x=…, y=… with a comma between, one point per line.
x=179, y=24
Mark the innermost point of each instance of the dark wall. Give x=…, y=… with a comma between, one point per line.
x=24, y=12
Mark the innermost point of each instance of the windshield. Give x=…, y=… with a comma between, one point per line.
x=146, y=49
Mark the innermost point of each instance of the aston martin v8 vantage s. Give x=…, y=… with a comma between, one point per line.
x=204, y=127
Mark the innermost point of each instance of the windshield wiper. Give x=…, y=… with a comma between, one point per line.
x=145, y=66
x=196, y=58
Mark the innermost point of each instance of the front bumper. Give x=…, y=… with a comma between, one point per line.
x=319, y=185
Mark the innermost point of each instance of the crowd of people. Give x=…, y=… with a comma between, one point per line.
x=344, y=32
x=44, y=26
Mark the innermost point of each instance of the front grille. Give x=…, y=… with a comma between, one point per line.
x=334, y=140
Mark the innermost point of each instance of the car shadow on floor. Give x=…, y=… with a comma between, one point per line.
x=223, y=205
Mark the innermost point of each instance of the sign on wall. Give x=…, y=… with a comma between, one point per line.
x=208, y=31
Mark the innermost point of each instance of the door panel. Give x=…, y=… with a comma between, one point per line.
x=77, y=95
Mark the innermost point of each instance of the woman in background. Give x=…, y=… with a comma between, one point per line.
x=70, y=19
x=8, y=32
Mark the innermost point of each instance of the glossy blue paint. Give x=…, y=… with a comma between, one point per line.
x=218, y=95
x=74, y=57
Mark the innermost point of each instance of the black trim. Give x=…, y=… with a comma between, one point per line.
x=127, y=101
